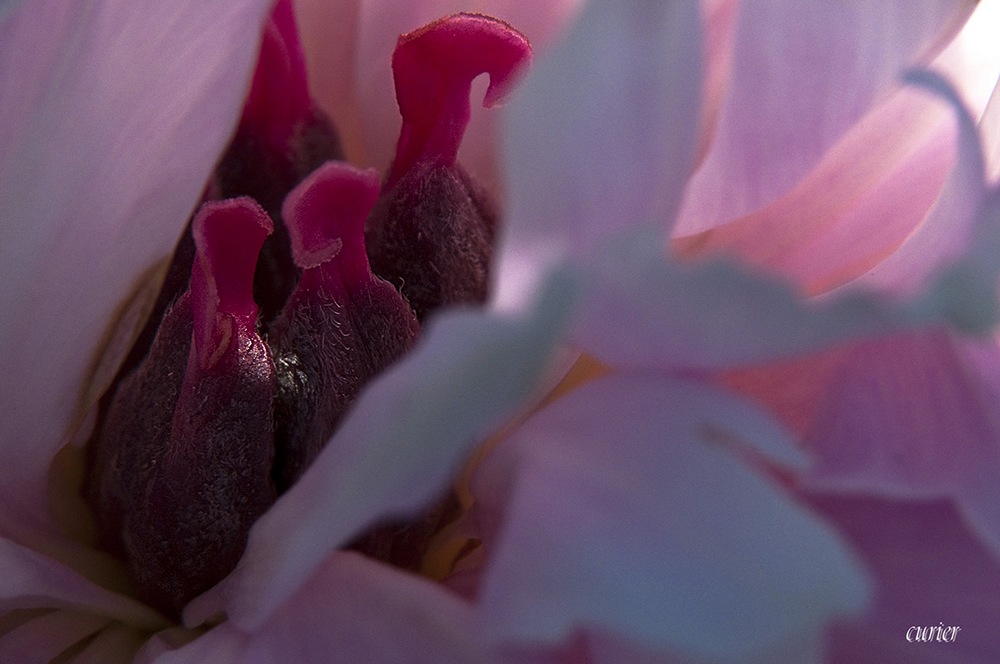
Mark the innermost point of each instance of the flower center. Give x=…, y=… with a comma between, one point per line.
x=272, y=318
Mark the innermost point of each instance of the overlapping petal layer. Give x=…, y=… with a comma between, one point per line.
x=106, y=146
x=628, y=507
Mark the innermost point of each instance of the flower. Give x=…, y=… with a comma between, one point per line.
x=649, y=512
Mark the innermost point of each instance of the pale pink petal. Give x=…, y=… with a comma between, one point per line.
x=873, y=187
x=396, y=449
x=912, y=416
x=113, y=116
x=854, y=208
x=601, y=137
x=41, y=639
x=629, y=507
x=640, y=309
x=929, y=570
x=802, y=75
x=945, y=235
x=364, y=611
x=351, y=609
x=30, y=580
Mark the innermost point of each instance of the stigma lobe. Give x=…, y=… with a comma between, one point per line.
x=282, y=137
x=183, y=460
x=433, y=69
x=433, y=228
x=342, y=325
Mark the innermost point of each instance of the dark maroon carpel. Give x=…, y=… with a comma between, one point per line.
x=432, y=231
x=184, y=456
x=342, y=326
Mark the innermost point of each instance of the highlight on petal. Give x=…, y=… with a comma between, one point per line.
x=628, y=509
x=929, y=571
x=873, y=186
x=947, y=232
x=801, y=77
x=469, y=373
x=601, y=135
x=107, y=145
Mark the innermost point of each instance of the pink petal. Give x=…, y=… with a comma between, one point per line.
x=31, y=580
x=601, y=137
x=801, y=77
x=854, y=208
x=929, y=570
x=365, y=611
x=641, y=310
x=627, y=509
x=873, y=187
x=221, y=645
x=948, y=231
x=352, y=609
x=911, y=416
x=114, y=115
x=396, y=449
x=989, y=129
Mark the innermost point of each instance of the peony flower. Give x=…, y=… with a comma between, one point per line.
x=649, y=512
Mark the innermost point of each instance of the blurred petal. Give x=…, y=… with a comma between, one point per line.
x=351, y=609
x=114, y=114
x=628, y=511
x=365, y=611
x=946, y=233
x=874, y=186
x=112, y=644
x=802, y=75
x=601, y=137
x=469, y=373
x=32, y=581
x=641, y=309
x=929, y=570
x=221, y=645
x=42, y=639
x=854, y=208
x=911, y=416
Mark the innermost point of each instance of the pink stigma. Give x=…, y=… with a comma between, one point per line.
x=279, y=95
x=325, y=216
x=433, y=68
x=228, y=236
